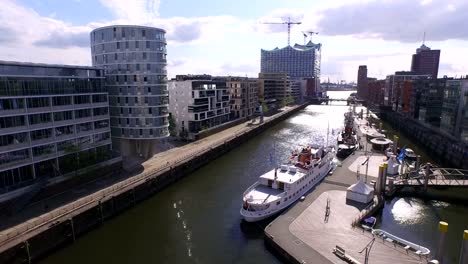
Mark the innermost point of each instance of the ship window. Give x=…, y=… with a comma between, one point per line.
x=278, y=202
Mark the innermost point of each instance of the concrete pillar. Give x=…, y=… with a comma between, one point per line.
x=464, y=249
x=443, y=229
x=395, y=144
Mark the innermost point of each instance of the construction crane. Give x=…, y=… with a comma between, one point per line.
x=289, y=23
x=309, y=33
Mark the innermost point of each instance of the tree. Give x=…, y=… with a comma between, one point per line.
x=264, y=108
x=172, y=126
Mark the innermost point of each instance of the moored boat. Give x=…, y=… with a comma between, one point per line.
x=280, y=187
x=417, y=249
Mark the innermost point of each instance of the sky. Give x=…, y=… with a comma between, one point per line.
x=225, y=37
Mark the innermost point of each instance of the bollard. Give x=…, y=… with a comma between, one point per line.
x=384, y=177
x=418, y=161
x=379, y=178
x=443, y=228
x=464, y=249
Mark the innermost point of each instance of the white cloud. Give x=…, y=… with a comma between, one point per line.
x=134, y=11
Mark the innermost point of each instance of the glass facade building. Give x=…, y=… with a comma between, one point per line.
x=54, y=119
x=134, y=61
x=300, y=61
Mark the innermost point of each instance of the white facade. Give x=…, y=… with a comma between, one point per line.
x=197, y=105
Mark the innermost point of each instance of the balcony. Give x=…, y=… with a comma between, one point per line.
x=12, y=112
x=41, y=125
x=44, y=156
x=42, y=141
x=10, y=130
x=14, y=146
x=14, y=162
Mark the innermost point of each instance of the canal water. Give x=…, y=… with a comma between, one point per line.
x=196, y=220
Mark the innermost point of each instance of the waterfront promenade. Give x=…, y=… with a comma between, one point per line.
x=302, y=234
x=161, y=163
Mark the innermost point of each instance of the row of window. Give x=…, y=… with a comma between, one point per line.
x=19, y=138
x=140, y=133
x=39, y=102
x=132, y=90
x=139, y=100
x=121, y=68
x=136, y=79
x=23, y=86
x=16, y=121
x=139, y=122
x=129, y=45
x=66, y=146
x=108, y=34
x=128, y=57
x=138, y=111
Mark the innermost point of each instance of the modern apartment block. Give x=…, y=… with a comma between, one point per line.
x=273, y=89
x=426, y=61
x=454, y=116
x=429, y=94
x=134, y=60
x=394, y=85
x=198, y=105
x=300, y=61
x=54, y=120
x=244, y=96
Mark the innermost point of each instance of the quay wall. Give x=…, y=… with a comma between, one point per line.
x=441, y=147
x=39, y=236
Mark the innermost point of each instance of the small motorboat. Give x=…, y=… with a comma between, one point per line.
x=409, y=246
x=369, y=223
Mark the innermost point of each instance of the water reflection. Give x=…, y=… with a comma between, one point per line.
x=408, y=211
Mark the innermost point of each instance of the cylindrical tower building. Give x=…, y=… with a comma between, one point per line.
x=134, y=62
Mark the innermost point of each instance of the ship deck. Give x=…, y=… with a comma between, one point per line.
x=264, y=194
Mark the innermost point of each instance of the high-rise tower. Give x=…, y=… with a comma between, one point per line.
x=426, y=61
x=134, y=62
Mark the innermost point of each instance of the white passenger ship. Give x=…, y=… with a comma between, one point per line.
x=279, y=188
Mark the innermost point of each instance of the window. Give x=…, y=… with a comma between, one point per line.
x=143, y=33
x=148, y=67
x=138, y=67
x=39, y=118
x=38, y=102
x=41, y=134
x=61, y=116
x=11, y=104
x=115, y=56
x=137, y=44
x=123, y=35
x=61, y=100
x=126, y=45
x=82, y=99
x=147, y=44
x=118, y=45
x=144, y=55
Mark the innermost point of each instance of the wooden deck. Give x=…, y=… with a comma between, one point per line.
x=323, y=234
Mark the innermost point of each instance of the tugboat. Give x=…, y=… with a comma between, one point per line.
x=347, y=140
x=279, y=188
